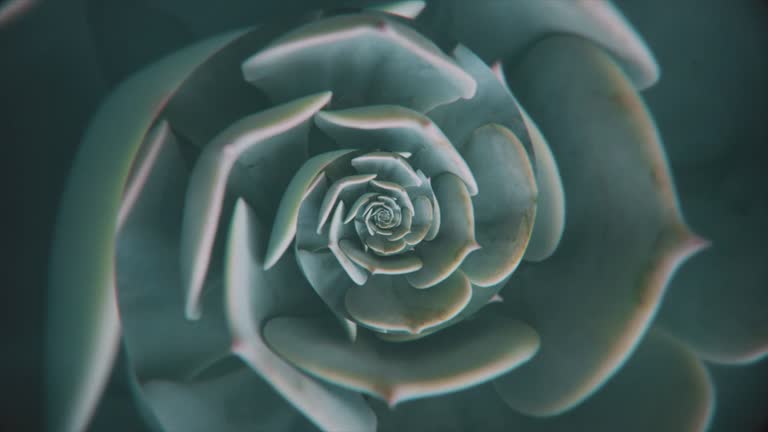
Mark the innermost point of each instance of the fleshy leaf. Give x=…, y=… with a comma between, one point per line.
x=337, y=233
x=237, y=401
x=422, y=220
x=287, y=217
x=377, y=265
x=339, y=186
x=456, y=238
x=279, y=136
x=390, y=304
x=396, y=190
x=504, y=209
x=663, y=388
x=404, y=228
x=550, y=210
x=307, y=237
x=319, y=266
x=388, y=167
x=434, y=227
x=504, y=29
x=147, y=275
x=398, y=372
x=718, y=303
x=624, y=234
x=385, y=246
x=405, y=9
x=82, y=317
x=362, y=59
x=252, y=295
x=361, y=201
x=492, y=103
x=397, y=129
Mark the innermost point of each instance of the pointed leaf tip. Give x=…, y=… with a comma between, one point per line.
x=286, y=220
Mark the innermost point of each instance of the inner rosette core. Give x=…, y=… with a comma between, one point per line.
x=389, y=206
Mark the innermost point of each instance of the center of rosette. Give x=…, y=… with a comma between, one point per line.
x=382, y=223
x=382, y=215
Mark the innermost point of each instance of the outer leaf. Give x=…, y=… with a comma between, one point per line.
x=398, y=372
x=663, y=387
x=594, y=298
x=319, y=265
x=159, y=340
x=350, y=53
x=276, y=139
x=502, y=29
x=253, y=295
x=235, y=402
x=492, y=103
x=550, y=209
x=82, y=314
x=718, y=304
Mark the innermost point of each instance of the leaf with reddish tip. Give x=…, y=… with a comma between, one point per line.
x=280, y=131
x=82, y=318
x=406, y=9
x=398, y=372
x=287, y=217
x=624, y=235
x=389, y=304
x=253, y=294
x=505, y=29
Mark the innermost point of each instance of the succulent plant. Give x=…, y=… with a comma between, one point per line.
x=332, y=219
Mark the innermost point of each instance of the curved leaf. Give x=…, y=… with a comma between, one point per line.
x=389, y=304
x=387, y=166
x=398, y=372
x=456, y=238
x=254, y=294
x=287, y=217
x=594, y=298
x=550, y=209
x=234, y=402
x=492, y=103
x=147, y=277
x=347, y=54
x=274, y=138
x=397, y=129
x=503, y=29
x=82, y=313
x=504, y=209
x=405, y=9
x=718, y=303
x=663, y=387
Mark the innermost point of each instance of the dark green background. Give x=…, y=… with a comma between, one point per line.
x=60, y=58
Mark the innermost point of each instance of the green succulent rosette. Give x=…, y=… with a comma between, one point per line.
x=346, y=220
